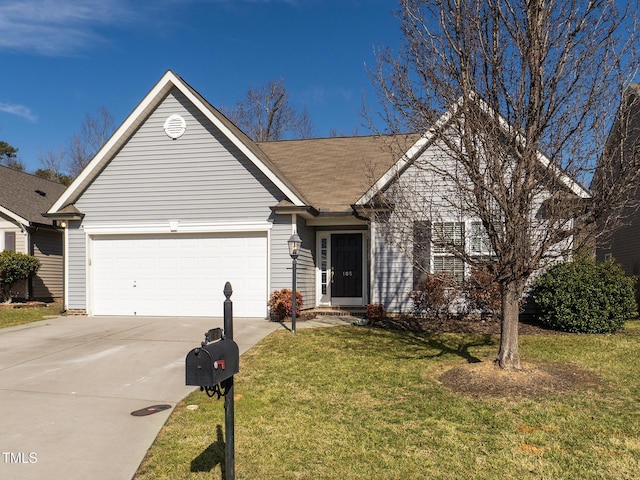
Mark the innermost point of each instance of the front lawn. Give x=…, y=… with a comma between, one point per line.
x=10, y=317
x=367, y=403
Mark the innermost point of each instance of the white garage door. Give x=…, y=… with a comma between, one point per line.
x=176, y=275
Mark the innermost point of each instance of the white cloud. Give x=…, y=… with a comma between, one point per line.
x=65, y=28
x=19, y=110
x=54, y=28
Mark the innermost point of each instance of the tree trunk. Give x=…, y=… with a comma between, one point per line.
x=509, y=354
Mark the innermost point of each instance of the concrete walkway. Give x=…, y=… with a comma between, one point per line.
x=68, y=386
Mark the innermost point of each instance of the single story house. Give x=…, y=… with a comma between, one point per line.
x=24, y=198
x=179, y=201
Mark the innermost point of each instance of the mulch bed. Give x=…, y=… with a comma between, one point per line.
x=459, y=325
x=536, y=379
x=22, y=305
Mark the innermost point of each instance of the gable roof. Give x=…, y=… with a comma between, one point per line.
x=426, y=140
x=157, y=94
x=25, y=197
x=334, y=172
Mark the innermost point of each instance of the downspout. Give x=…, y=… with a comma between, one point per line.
x=30, y=251
x=65, y=269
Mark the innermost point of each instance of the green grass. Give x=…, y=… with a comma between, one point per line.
x=360, y=403
x=10, y=317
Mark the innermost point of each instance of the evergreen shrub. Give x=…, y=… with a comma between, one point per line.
x=14, y=267
x=583, y=296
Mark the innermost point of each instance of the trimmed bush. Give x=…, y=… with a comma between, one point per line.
x=582, y=296
x=14, y=267
x=376, y=312
x=281, y=303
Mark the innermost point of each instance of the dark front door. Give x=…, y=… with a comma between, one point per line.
x=346, y=263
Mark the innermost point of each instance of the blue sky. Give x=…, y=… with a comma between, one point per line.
x=63, y=59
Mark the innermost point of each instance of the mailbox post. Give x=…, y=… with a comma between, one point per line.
x=212, y=367
x=229, y=414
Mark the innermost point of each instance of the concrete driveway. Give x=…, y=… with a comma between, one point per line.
x=68, y=387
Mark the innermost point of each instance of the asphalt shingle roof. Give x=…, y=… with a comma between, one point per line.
x=334, y=172
x=28, y=196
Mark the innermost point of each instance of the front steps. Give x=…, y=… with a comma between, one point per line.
x=360, y=312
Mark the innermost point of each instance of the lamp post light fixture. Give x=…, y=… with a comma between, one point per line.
x=294, y=243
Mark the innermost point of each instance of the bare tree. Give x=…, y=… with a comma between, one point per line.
x=94, y=132
x=341, y=133
x=265, y=114
x=52, y=167
x=534, y=85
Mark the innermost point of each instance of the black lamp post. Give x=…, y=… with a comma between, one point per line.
x=294, y=243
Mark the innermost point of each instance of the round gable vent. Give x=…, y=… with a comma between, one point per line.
x=174, y=126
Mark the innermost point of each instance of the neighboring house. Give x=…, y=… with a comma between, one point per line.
x=179, y=201
x=23, y=228
x=623, y=242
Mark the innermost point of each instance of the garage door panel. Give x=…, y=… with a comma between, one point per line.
x=178, y=275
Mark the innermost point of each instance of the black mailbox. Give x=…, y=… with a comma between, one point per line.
x=211, y=364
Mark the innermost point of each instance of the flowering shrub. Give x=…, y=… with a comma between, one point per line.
x=281, y=303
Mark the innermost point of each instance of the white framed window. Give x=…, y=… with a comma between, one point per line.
x=9, y=241
x=449, y=265
x=436, y=242
x=324, y=277
x=480, y=244
x=446, y=237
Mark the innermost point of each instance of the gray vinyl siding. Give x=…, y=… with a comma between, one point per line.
x=391, y=276
x=422, y=194
x=200, y=177
x=77, y=273
x=281, y=264
x=306, y=269
x=280, y=259
x=8, y=225
x=48, y=282
x=624, y=247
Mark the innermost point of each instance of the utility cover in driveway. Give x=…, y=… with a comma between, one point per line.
x=149, y=410
x=178, y=274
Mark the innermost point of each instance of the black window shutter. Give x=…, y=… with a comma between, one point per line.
x=421, y=251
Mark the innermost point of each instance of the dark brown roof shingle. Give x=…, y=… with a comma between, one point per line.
x=334, y=172
x=28, y=196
